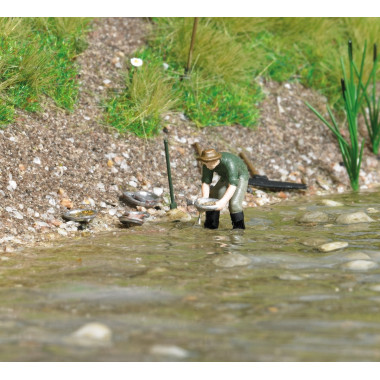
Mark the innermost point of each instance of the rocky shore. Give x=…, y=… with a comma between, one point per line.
x=55, y=161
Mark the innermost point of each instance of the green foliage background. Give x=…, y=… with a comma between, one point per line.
x=38, y=58
x=231, y=53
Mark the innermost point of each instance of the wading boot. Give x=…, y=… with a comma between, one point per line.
x=237, y=220
x=212, y=220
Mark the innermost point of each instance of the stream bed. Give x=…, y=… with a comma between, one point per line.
x=178, y=292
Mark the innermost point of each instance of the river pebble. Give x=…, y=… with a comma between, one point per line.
x=231, y=260
x=357, y=256
x=375, y=288
x=328, y=247
x=314, y=242
x=167, y=350
x=330, y=203
x=290, y=277
x=314, y=217
x=360, y=265
x=92, y=333
x=356, y=217
x=177, y=214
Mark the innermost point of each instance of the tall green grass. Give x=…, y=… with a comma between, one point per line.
x=38, y=59
x=230, y=53
x=148, y=94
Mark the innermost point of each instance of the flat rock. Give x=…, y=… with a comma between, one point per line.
x=177, y=215
x=330, y=203
x=335, y=245
x=360, y=265
x=356, y=217
x=375, y=288
x=92, y=334
x=290, y=277
x=314, y=217
x=167, y=350
x=372, y=210
x=314, y=242
x=231, y=260
x=357, y=256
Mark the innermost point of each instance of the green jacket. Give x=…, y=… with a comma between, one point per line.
x=230, y=169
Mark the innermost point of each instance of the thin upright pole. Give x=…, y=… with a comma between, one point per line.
x=196, y=19
x=172, y=202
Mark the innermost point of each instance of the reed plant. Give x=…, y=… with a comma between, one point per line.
x=372, y=102
x=353, y=92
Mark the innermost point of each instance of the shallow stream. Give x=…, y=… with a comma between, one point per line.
x=178, y=292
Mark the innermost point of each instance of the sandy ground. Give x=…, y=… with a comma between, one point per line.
x=56, y=160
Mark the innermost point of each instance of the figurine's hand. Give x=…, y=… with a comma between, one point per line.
x=220, y=205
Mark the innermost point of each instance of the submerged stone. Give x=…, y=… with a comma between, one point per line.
x=314, y=217
x=356, y=217
x=328, y=247
x=92, y=334
x=375, y=288
x=290, y=277
x=314, y=242
x=330, y=203
x=360, y=265
x=177, y=215
x=166, y=350
x=231, y=260
x=357, y=256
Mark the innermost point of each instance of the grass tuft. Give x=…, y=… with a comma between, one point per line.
x=37, y=59
x=147, y=95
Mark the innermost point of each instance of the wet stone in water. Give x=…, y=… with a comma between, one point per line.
x=92, y=334
x=330, y=203
x=314, y=242
x=375, y=288
x=357, y=256
x=360, y=265
x=231, y=260
x=356, y=217
x=314, y=217
x=178, y=215
x=328, y=247
x=290, y=277
x=166, y=350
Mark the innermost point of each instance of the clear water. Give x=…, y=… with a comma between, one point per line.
x=173, y=286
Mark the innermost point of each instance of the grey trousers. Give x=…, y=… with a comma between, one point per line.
x=235, y=204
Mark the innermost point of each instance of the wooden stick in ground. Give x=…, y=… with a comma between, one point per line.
x=192, y=45
x=249, y=164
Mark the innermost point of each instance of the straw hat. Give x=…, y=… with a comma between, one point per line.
x=209, y=155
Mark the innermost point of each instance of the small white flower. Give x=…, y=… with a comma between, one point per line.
x=137, y=62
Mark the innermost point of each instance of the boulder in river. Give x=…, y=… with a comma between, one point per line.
x=314, y=217
x=328, y=247
x=177, y=215
x=231, y=260
x=357, y=256
x=330, y=203
x=314, y=241
x=360, y=265
x=355, y=217
x=169, y=350
x=92, y=334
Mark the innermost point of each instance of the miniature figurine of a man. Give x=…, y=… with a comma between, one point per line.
x=230, y=188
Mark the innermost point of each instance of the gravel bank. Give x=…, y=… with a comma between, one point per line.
x=56, y=160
